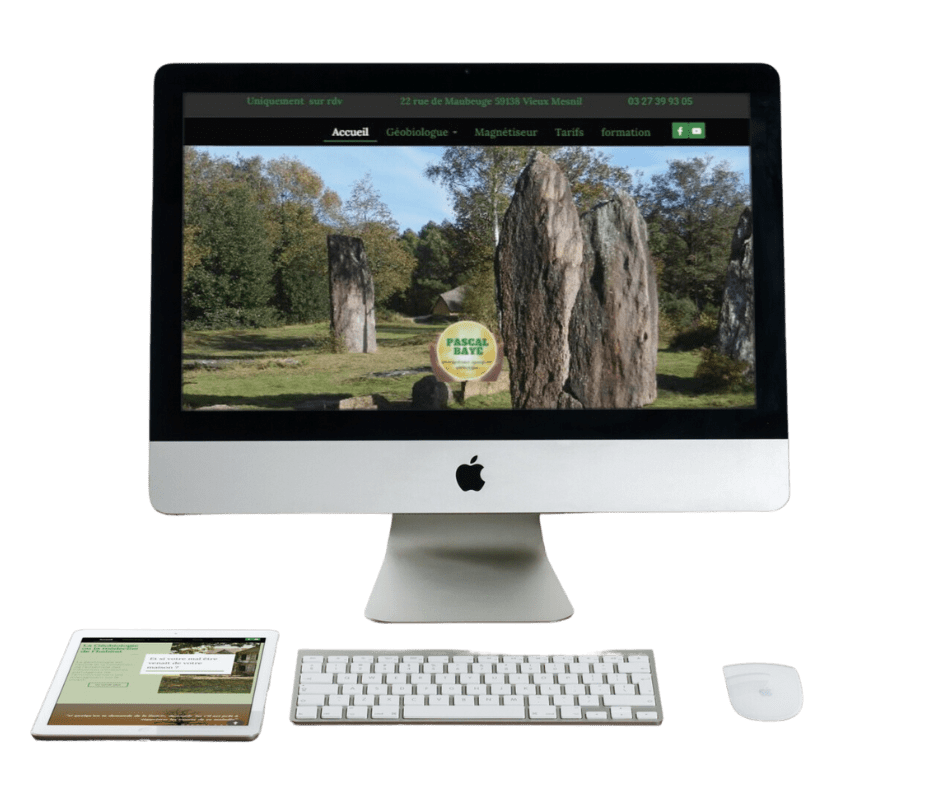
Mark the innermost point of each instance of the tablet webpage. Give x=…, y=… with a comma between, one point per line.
x=380, y=252
x=160, y=681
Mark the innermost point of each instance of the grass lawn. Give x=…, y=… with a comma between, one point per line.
x=285, y=367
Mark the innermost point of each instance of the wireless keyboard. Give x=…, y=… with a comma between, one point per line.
x=438, y=686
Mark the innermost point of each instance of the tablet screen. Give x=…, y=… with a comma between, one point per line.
x=160, y=681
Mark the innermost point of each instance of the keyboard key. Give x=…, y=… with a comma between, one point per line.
x=311, y=700
x=307, y=713
x=385, y=713
x=464, y=713
x=316, y=678
x=596, y=715
x=646, y=715
x=571, y=712
x=634, y=667
x=318, y=689
x=331, y=713
x=621, y=713
x=543, y=713
x=628, y=700
x=357, y=713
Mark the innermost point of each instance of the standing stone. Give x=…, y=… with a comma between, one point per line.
x=736, y=319
x=614, y=330
x=538, y=273
x=352, y=295
x=429, y=393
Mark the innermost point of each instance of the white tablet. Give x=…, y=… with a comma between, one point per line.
x=159, y=684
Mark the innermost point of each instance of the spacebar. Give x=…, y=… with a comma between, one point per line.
x=464, y=712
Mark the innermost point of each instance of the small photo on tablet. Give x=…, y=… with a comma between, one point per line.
x=158, y=684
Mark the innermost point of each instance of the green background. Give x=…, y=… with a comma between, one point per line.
x=837, y=584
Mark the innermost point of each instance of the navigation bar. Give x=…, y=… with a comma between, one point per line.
x=432, y=131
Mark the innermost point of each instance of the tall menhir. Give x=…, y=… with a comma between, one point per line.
x=577, y=298
x=352, y=294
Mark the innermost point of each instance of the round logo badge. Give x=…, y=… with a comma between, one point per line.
x=467, y=350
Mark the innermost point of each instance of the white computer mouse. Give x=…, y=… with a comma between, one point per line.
x=759, y=691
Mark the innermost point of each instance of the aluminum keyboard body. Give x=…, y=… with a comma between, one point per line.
x=444, y=686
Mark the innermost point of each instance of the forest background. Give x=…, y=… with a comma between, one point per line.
x=255, y=252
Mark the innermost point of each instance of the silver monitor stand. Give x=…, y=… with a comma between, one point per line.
x=466, y=567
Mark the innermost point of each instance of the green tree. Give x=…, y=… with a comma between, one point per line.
x=366, y=216
x=691, y=212
x=437, y=268
x=296, y=201
x=290, y=209
x=591, y=175
x=231, y=284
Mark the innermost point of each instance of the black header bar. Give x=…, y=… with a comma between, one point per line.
x=221, y=639
x=505, y=104
x=432, y=131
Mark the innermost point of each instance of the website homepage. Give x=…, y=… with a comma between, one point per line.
x=160, y=682
x=383, y=252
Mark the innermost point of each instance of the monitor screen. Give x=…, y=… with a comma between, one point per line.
x=372, y=283
x=160, y=681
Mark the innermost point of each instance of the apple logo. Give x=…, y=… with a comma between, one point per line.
x=468, y=477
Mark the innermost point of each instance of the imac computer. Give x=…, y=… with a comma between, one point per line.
x=467, y=295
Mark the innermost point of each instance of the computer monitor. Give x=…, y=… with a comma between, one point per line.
x=467, y=295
